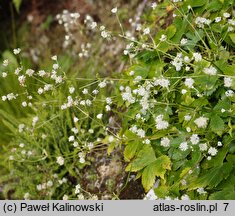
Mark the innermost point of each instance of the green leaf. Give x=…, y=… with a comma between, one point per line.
x=232, y=37
x=196, y=3
x=148, y=177
x=216, y=124
x=145, y=157
x=212, y=177
x=131, y=149
x=17, y=4
x=157, y=168
x=225, y=194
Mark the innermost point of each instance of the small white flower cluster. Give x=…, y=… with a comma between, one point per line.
x=163, y=82
x=138, y=131
x=178, y=61
x=228, y=82
x=60, y=160
x=201, y=122
x=45, y=185
x=201, y=21
x=165, y=142
x=104, y=33
x=127, y=95
x=9, y=96
x=69, y=22
x=210, y=70
x=160, y=123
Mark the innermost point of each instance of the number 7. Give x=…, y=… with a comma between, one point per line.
x=226, y=206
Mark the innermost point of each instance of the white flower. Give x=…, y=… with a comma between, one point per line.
x=187, y=117
x=5, y=62
x=65, y=197
x=75, y=119
x=132, y=73
x=178, y=62
x=60, y=160
x=71, y=90
x=4, y=74
x=55, y=66
x=108, y=100
x=140, y=133
x=183, y=41
x=105, y=34
x=77, y=189
x=107, y=108
x=203, y=146
x=40, y=91
x=223, y=110
x=210, y=70
x=41, y=73
x=189, y=82
x=163, y=37
x=197, y=57
x=229, y=93
x=99, y=116
x=217, y=19
x=160, y=123
x=35, y=120
x=54, y=58
x=102, y=84
x=183, y=146
x=194, y=139
x=95, y=92
x=114, y=10
x=162, y=82
x=154, y=5
x=212, y=151
x=201, y=122
x=85, y=91
x=21, y=127
x=21, y=145
x=71, y=138
x=49, y=183
x=21, y=80
x=111, y=139
x=26, y=196
x=16, y=51
x=82, y=160
x=183, y=91
x=165, y=142
x=185, y=197
x=146, y=31
x=228, y=82
x=219, y=143
x=201, y=191
x=226, y=15
x=24, y=104
x=29, y=72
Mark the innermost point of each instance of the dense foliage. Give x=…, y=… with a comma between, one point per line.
x=172, y=109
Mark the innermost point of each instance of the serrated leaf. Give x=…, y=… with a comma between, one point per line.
x=148, y=177
x=145, y=157
x=131, y=149
x=216, y=124
x=157, y=168
x=213, y=177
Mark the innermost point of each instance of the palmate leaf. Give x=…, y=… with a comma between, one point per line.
x=212, y=177
x=157, y=168
x=145, y=157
